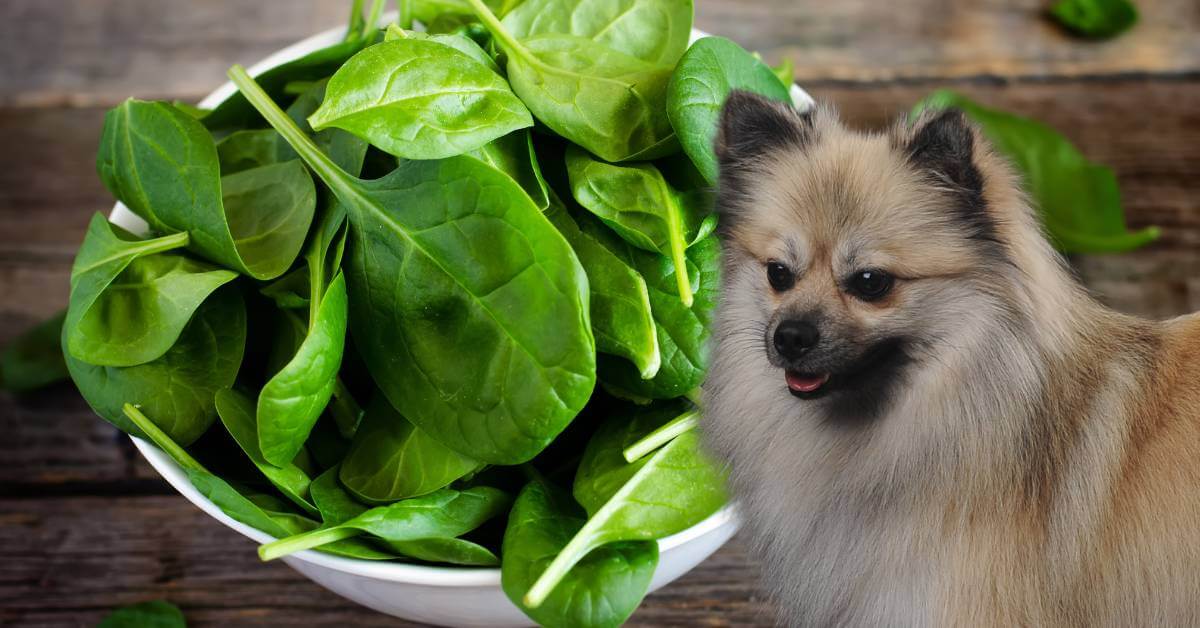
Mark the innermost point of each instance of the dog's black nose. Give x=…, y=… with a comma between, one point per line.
x=794, y=338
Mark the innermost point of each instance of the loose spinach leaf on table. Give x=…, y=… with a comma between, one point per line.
x=637, y=203
x=1079, y=200
x=622, y=319
x=1095, y=19
x=178, y=387
x=661, y=494
x=608, y=102
x=655, y=31
x=34, y=359
x=710, y=69
x=391, y=459
x=164, y=166
x=467, y=305
x=602, y=589
x=152, y=614
x=444, y=514
x=417, y=98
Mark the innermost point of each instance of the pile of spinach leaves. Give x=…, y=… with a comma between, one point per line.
x=437, y=293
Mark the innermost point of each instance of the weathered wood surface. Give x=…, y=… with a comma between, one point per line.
x=83, y=52
x=86, y=525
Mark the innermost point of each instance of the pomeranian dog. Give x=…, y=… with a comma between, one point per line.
x=927, y=421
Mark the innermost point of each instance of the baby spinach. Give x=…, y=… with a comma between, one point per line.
x=443, y=514
x=637, y=203
x=417, y=98
x=1095, y=19
x=620, y=302
x=164, y=165
x=710, y=69
x=608, y=102
x=457, y=41
x=663, y=493
x=493, y=355
x=34, y=359
x=152, y=614
x=1079, y=200
x=513, y=155
x=249, y=149
x=237, y=414
x=178, y=387
x=601, y=589
x=391, y=459
x=655, y=31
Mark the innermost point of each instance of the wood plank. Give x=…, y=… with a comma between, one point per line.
x=84, y=52
x=68, y=561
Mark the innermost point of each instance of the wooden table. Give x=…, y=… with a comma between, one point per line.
x=86, y=525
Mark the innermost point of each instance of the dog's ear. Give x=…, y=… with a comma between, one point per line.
x=751, y=126
x=943, y=144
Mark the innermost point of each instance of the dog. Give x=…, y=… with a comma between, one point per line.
x=927, y=421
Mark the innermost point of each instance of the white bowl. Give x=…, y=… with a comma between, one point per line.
x=445, y=596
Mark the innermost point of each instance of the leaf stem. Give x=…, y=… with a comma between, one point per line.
x=663, y=435
x=373, y=18
x=165, y=243
x=497, y=29
x=568, y=557
x=160, y=438
x=347, y=414
x=354, y=29
x=679, y=252
x=307, y=540
x=406, y=13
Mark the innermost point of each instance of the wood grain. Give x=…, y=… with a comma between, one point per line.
x=84, y=52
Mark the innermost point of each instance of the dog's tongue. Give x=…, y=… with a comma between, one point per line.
x=805, y=383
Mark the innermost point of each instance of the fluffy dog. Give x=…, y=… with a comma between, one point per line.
x=927, y=420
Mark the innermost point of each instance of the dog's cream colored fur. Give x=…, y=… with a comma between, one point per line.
x=1039, y=464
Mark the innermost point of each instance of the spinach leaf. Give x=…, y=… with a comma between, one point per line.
x=602, y=589
x=513, y=155
x=237, y=414
x=1079, y=200
x=622, y=320
x=293, y=399
x=337, y=506
x=444, y=514
x=391, y=459
x=428, y=11
x=606, y=101
x=164, y=165
x=420, y=99
x=457, y=41
x=249, y=149
x=682, y=332
x=178, y=387
x=663, y=493
x=656, y=31
x=637, y=203
x=1095, y=19
x=35, y=358
x=468, y=307
x=710, y=69
x=152, y=614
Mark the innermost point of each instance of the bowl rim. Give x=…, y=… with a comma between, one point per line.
x=379, y=570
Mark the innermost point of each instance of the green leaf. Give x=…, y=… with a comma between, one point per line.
x=176, y=389
x=164, y=166
x=444, y=514
x=332, y=501
x=420, y=99
x=1079, y=200
x=637, y=203
x=608, y=102
x=1095, y=19
x=35, y=358
x=456, y=40
x=391, y=459
x=601, y=590
x=655, y=31
x=237, y=414
x=661, y=494
x=152, y=614
x=468, y=307
x=622, y=320
x=513, y=155
x=710, y=69
x=249, y=149
x=293, y=399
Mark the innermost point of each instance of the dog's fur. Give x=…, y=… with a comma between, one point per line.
x=1004, y=451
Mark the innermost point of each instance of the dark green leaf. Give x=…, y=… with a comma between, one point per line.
x=513, y=155
x=152, y=614
x=1095, y=19
x=35, y=358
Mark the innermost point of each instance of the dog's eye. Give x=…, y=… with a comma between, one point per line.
x=869, y=285
x=780, y=277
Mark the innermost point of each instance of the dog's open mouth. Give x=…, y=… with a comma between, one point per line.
x=806, y=385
